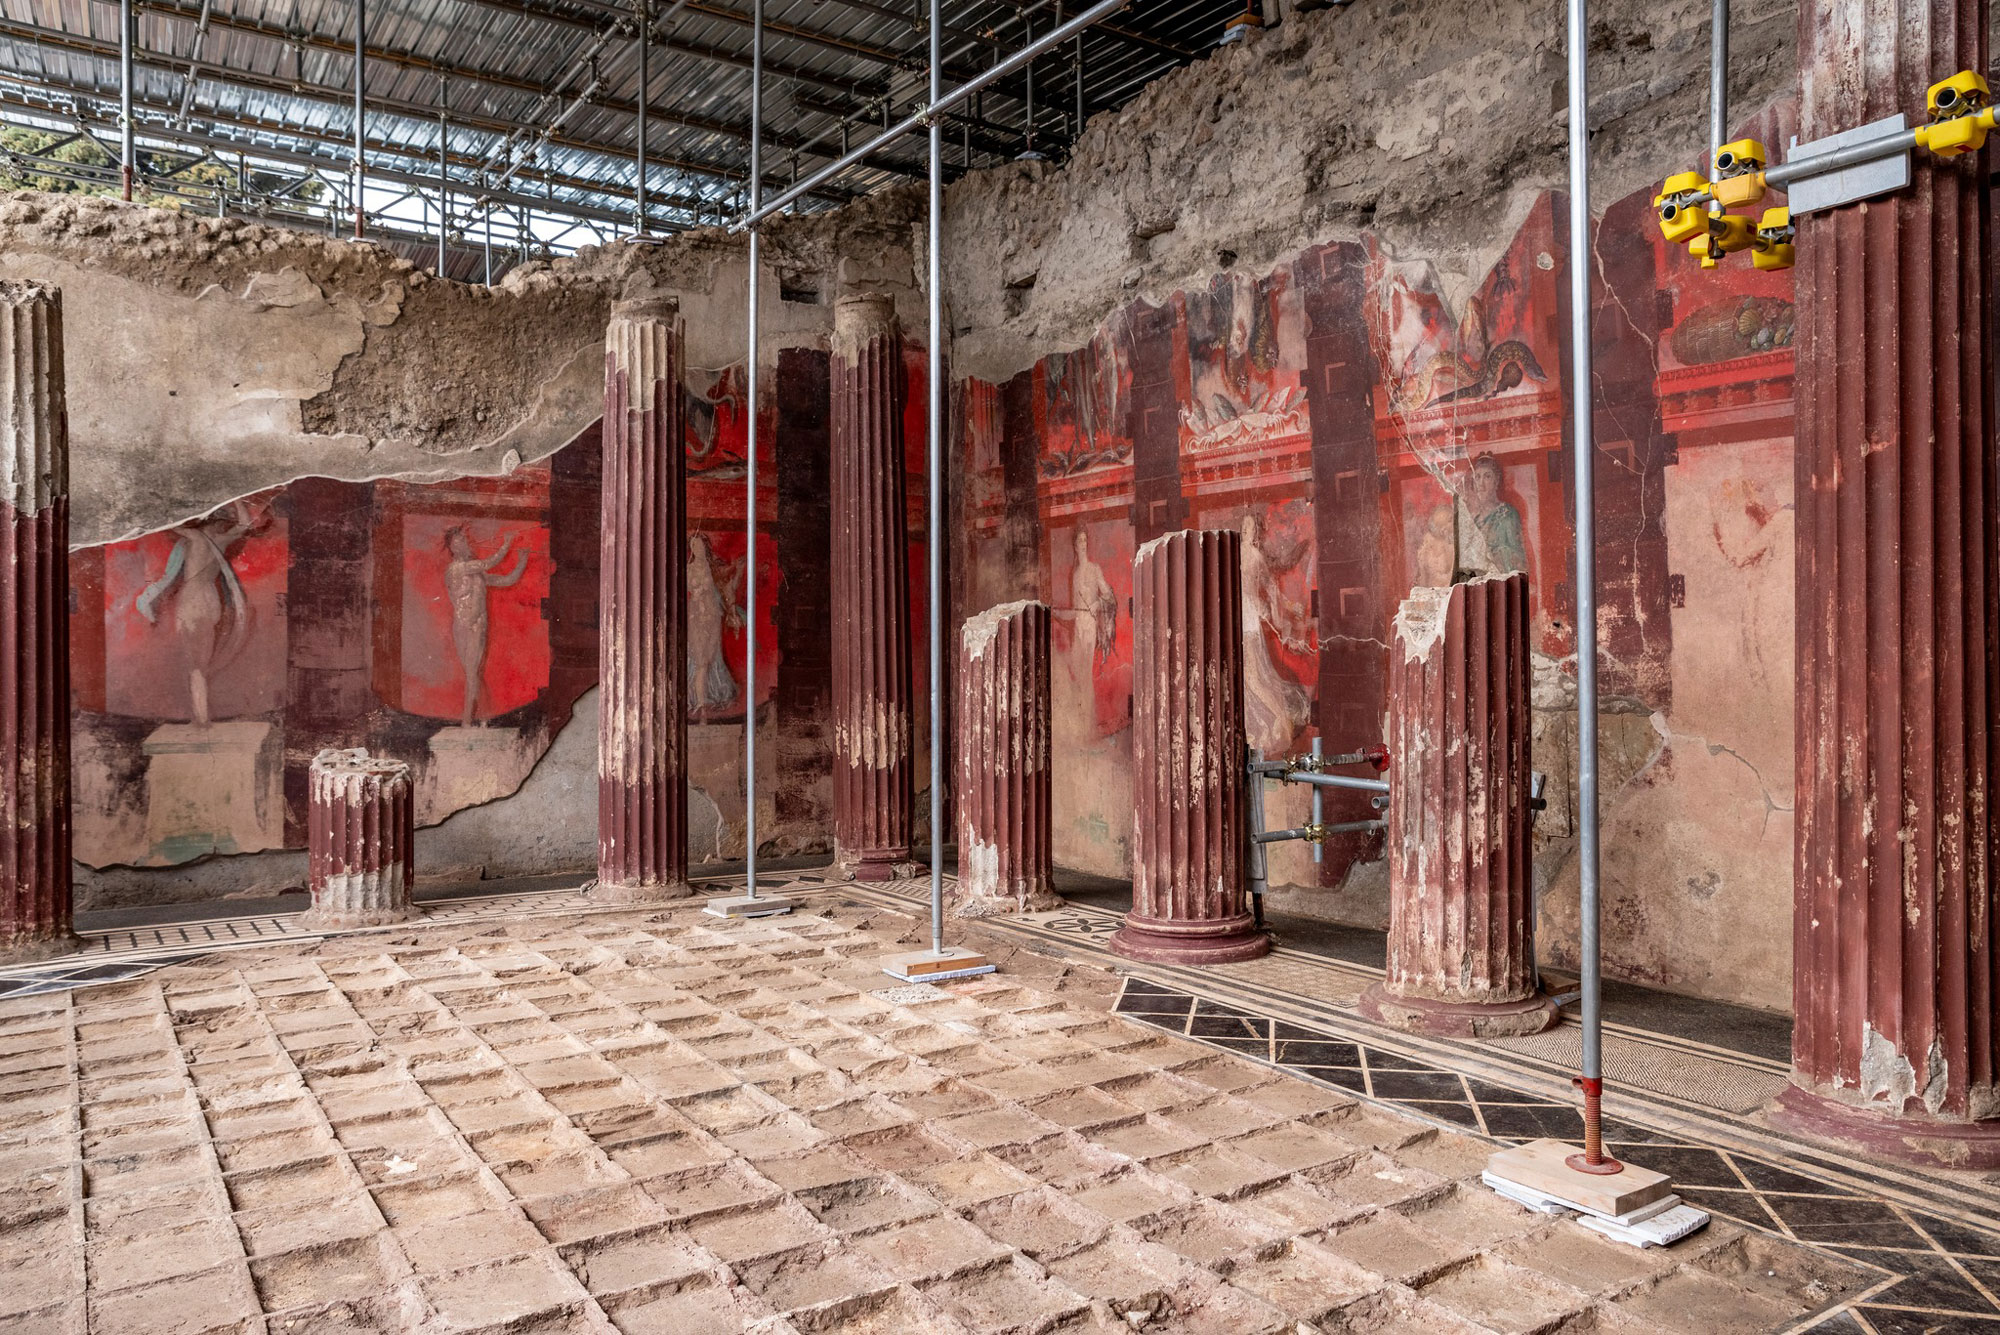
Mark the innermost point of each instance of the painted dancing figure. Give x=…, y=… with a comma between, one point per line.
x=466, y=580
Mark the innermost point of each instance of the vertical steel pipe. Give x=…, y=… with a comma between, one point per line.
x=1076, y=66
x=360, y=111
x=645, y=92
x=487, y=246
x=125, y=158
x=934, y=481
x=1318, y=801
x=1028, y=95
x=1584, y=459
x=444, y=175
x=750, y=473
x=1718, y=77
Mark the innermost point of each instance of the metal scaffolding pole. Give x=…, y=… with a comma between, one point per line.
x=1055, y=37
x=1028, y=100
x=934, y=538
x=1593, y=1159
x=645, y=96
x=749, y=904
x=360, y=109
x=1718, y=78
x=750, y=473
x=444, y=175
x=125, y=158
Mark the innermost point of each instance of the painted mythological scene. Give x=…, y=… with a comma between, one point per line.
x=1368, y=427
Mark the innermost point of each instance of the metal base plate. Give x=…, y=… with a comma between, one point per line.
x=930, y=966
x=1657, y=1224
x=742, y=906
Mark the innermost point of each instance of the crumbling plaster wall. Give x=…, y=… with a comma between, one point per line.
x=1430, y=124
x=212, y=358
x=209, y=358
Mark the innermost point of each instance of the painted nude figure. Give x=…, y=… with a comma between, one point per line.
x=711, y=608
x=211, y=615
x=466, y=581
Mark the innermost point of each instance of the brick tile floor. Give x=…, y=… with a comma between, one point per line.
x=663, y=1122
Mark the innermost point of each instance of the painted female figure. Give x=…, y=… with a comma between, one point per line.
x=207, y=597
x=1274, y=706
x=466, y=581
x=711, y=608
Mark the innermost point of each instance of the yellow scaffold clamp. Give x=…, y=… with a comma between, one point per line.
x=1680, y=205
x=1739, y=174
x=1725, y=235
x=1962, y=115
x=1772, y=247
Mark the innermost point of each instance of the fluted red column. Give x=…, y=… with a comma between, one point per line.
x=34, y=627
x=1189, y=901
x=1893, y=972
x=1003, y=762
x=1461, y=903
x=642, y=606
x=360, y=840
x=871, y=593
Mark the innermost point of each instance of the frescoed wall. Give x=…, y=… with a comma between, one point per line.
x=449, y=624
x=453, y=624
x=1369, y=428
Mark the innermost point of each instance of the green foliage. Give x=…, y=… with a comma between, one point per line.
x=192, y=188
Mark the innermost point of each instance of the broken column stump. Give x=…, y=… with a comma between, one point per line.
x=360, y=840
x=1895, y=959
x=1003, y=762
x=642, y=610
x=35, y=907
x=1461, y=902
x=872, y=782
x=1190, y=904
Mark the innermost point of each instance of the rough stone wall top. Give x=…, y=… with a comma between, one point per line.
x=213, y=357
x=1432, y=124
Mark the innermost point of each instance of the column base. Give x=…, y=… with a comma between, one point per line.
x=314, y=920
x=974, y=904
x=33, y=949
x=1928, y=1141
x=1459, y=1019
x=643, y=892
x=1156, y=941
x=891, y=865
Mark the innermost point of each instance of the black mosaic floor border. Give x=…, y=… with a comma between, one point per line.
x=1946, y=1275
